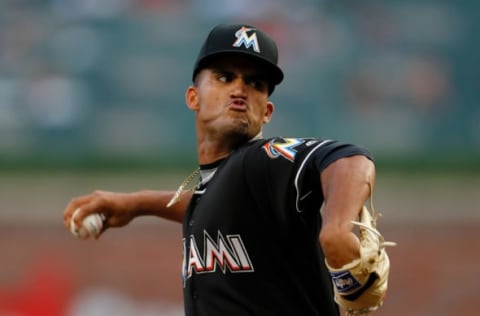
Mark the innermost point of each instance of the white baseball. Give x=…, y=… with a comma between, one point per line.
x=91, y=225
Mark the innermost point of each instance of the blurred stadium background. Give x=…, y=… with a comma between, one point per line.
x=92, y=97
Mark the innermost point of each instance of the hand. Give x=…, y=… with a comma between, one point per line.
x=114, y=207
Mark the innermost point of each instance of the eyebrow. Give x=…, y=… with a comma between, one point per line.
x=259, y=75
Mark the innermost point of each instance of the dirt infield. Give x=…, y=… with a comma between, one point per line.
x=136, y=269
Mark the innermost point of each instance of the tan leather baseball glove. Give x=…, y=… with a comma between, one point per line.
x=360, y=286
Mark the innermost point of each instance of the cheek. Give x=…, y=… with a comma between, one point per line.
x=210, y=97
x=259, y=116
x=209, y=106
x=262, y=109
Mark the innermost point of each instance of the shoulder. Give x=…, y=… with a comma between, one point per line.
x=289, y=148
x=334, y=150
x=292, y=148
x=277, y=152
x=298, y=149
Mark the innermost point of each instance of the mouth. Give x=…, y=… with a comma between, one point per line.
x=238, y=105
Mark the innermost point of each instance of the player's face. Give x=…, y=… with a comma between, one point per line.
x=230, y=98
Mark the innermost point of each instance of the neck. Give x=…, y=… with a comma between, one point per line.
x=214, y=149
x=210, y=151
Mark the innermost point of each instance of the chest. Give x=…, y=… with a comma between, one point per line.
x=224, y=204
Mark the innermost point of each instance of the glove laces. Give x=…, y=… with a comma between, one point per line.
x=372, y=224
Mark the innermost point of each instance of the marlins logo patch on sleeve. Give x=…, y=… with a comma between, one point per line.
x=283, y=147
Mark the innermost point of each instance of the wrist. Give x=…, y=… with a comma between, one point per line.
x=339, y=247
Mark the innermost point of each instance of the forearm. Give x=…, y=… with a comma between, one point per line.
x=119, y=209
x=149, y=202
x=346, y=185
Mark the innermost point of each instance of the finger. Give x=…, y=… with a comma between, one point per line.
x=74, y=228
x=71, y=207
x=78, y=202
x=73, y=225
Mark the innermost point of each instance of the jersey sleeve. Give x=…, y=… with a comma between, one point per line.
x=333, y=151
x=286, y=171
x=310, y=165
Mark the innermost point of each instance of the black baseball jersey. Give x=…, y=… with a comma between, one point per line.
x=251, y=231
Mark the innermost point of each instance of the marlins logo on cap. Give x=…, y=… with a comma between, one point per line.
x=247, y=40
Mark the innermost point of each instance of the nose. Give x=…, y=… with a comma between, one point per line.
x=239, y=87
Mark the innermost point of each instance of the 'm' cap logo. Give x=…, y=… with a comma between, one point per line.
x=244, y=39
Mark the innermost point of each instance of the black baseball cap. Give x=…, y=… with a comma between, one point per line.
x=225, y=39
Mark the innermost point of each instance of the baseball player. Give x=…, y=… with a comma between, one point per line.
x=268, y=228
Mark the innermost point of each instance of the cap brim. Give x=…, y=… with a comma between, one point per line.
x=275, y=74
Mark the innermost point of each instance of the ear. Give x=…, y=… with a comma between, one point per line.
x=268, y=112
x=191, y=98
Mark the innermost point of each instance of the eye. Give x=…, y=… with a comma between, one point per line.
x=258, y=84
x=224, y=76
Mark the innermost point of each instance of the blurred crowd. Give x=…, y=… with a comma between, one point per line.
x=108, y=77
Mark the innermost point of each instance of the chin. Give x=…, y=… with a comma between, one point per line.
x=238, y=137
